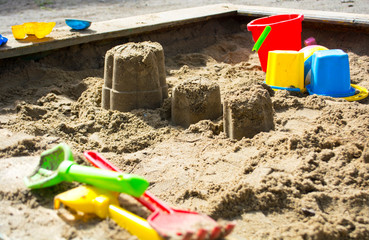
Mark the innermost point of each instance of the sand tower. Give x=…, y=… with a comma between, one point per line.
x=134, y=77
x=194, y=100
x=246, y=112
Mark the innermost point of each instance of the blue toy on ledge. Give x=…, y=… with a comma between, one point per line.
x=77, y=24
x=3, y=40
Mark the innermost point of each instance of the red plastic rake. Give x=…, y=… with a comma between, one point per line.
x=171, y=223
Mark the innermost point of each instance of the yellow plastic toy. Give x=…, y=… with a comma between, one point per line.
x=19, y=32
x=29, y=27
x=39, y=29
x=285, y=70
x=104, y=203
x=362, y=93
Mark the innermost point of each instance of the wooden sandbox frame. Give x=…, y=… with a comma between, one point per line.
x=138, y=25
x=159, y=26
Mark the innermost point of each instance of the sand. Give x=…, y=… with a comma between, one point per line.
x=306, y=178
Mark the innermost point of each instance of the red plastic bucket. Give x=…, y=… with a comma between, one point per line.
x=285, y=34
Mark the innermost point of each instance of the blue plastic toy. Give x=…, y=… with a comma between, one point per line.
x=308, y=57
x=78, y=24
x=3, y=40
x=330, y=74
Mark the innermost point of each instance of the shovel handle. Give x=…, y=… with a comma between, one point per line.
x=262, y=38
x=119, y=182
x=147, y=199
x=132, y=223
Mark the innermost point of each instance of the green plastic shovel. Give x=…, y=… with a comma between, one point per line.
x=57, y=165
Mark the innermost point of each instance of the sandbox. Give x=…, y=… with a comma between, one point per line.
x=304, y=176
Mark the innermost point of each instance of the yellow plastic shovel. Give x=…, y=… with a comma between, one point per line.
x=104, y=203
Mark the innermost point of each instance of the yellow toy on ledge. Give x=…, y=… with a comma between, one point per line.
x=39, y=29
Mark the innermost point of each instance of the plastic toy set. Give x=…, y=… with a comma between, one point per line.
x=313, y=68
x=39, y=29
x=42, y=29
x=100, y=198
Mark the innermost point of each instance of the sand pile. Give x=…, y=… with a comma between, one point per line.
x=305, y=177
x=248, y=111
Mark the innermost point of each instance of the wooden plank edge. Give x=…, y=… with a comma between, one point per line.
x=348, y=19
x=64, y=37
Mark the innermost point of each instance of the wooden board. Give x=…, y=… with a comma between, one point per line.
x=309, y=15
x=65, y=37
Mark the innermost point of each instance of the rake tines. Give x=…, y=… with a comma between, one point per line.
x=216, y=233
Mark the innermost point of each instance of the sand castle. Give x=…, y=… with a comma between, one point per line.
x=134, y=77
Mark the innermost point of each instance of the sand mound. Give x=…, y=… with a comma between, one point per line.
x=304, y=178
